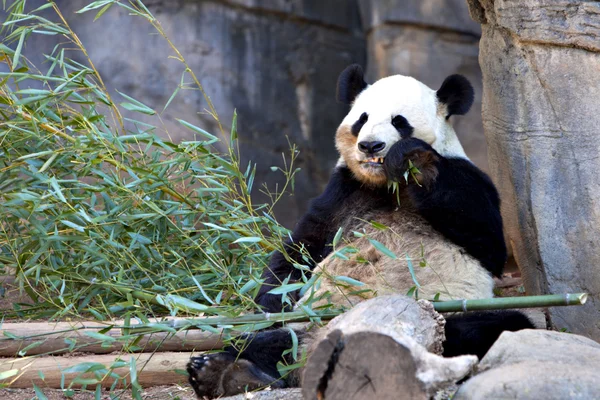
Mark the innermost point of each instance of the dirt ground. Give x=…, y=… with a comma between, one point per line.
x=152, y=393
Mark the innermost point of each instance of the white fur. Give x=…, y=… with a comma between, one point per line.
x=406, y=96
x=449, y=271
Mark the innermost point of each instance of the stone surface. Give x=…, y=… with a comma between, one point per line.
x=279, y=394
x=541, y=115
x=536, y=364
x=532, y=380
x=429, y=41
x=543, y=346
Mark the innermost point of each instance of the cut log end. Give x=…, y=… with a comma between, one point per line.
x=361, y=365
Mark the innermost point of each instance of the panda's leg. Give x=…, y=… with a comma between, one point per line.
x=251, y=367
x=476, y=332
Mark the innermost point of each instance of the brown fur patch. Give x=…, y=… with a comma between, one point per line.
x=345, y=142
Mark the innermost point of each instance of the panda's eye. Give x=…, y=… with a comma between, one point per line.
x=359, y=124
x=400, y=122
x=402, y=126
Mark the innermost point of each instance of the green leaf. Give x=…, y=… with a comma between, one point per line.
x=348, y=280
x=248, y=239
x=198, y=130
x=39, y=393
x=135, y=105
x=379, y=226
x=102, y=11
x=338, y=236
x=290, y=287
x=100, y=336
x=73, y=225
x=17, y=55
x=8, y=374
x=380, y=247
x=412, y=270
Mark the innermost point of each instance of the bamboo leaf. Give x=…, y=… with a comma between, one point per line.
x=348, y=280
x=249, y=239
x=198, y=130
x=381, y=248
x=411, y=269
x=283, y=289
x=338, y=236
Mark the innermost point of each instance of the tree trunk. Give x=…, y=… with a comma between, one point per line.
x=541, y=116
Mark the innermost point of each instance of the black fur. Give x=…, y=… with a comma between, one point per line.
x=251, y=366
x=462, y=203
x=265, y=349
x=403, y=127
x=357, y=126
x=316, y=230
x=476, y=332
x=350, y=83
x=458, y=95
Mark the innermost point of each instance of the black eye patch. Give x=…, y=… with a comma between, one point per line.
x=357, y=126
x=402, y=125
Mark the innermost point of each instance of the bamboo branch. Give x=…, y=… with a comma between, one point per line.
x=49, y=338
x=502, y=303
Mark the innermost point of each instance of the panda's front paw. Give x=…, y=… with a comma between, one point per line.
x=423, y=165
x=206, y=374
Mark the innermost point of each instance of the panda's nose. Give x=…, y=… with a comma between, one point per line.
x=371, y=147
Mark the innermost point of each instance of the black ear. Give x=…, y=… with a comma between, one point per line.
x=350, y=83
x=457, y=93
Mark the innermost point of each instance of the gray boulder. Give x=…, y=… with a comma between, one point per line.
x=536, y=364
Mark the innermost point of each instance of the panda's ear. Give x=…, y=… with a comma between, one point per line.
x=457, y=93
x=350, y=83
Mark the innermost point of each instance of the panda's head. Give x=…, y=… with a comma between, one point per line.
x=392, y=109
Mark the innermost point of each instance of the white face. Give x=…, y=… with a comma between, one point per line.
x=398, y=96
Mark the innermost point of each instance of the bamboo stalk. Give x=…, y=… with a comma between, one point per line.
x=498, y=303
x=201, y=334
x=502, y=303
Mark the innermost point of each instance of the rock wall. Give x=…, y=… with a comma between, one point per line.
x=541, y=113
x=276, y=62
x=429, y=40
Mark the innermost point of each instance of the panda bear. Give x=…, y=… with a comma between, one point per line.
x=442, y=215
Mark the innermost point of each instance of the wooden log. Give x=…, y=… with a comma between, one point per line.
x=379, y=349
x=153, y=369
x=54, y=338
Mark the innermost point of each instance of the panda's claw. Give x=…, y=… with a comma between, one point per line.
x=206, y=371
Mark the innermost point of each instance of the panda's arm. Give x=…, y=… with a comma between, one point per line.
x=314, y=232
x=456, y=198
x=463, y=204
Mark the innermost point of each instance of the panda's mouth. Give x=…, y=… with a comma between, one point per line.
x=374, y=161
